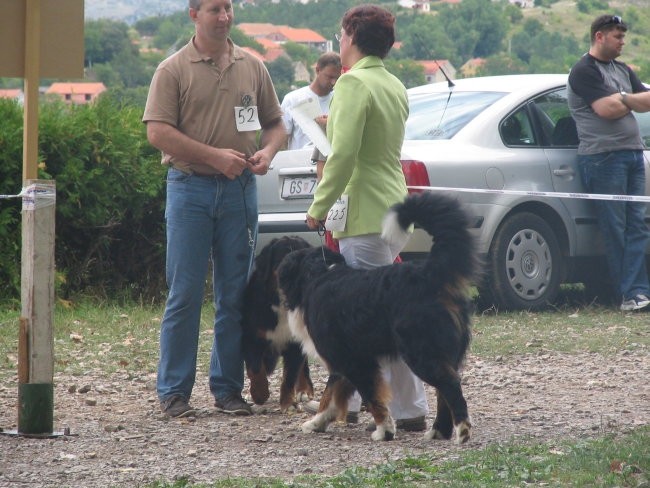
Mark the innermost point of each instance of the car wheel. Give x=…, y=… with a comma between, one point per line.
x=524, y=263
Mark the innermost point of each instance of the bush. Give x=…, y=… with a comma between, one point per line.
x=11, y=163
x=110, y=198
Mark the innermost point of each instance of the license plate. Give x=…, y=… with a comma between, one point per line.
x=298, y=187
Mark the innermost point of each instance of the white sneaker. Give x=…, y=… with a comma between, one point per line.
x=311, y=407
x=636, y=303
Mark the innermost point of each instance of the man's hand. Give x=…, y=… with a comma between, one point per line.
x=231, y=163
x=321, y=120
x=259, y=163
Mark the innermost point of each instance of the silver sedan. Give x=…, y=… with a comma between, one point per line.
x=507, y=147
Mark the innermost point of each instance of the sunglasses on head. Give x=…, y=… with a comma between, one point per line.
x=610, y=20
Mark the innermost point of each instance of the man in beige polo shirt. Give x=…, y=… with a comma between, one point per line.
x=206, y=105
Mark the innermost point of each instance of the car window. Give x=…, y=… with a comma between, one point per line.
x=517, y=129
x=557, y=127
x=644, y=125
x=442, y=115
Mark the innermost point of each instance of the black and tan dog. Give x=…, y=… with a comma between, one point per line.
x=266, y=334
x=418, y=310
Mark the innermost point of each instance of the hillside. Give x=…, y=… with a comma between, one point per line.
x=565, y=18
x=130, y=11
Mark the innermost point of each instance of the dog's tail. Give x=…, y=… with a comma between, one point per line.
x=441, y=216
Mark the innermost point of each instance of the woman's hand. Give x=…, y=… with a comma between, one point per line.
x=312, y=223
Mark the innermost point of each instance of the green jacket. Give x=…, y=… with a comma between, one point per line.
x=365, y=128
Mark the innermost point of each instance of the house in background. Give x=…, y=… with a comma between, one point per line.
x=76, y=92
x=433, y=70
x=420, y=5
x=471, y=67
x=523, y=3
x=13, y=93
x=283, y=33
x=273, y=49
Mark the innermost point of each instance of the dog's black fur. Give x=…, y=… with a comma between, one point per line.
x=417, y=310
x=266, y=335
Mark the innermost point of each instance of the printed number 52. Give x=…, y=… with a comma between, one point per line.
x=245, y=113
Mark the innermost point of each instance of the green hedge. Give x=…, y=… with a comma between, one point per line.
x=110, y=199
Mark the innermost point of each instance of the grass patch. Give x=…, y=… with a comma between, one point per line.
x=591, y=329
x=612, y=461
x=110, y=338
x=90, y=335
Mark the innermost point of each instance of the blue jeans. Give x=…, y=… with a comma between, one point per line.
x=207, y=218
x=622, y=224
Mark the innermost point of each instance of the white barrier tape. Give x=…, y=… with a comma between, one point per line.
x=35, y=196
x=6, y=197
x=38, y=196
x=549, y=194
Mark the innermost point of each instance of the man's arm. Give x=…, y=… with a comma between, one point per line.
x=611, y=107
x=203, y=158
x=638, y=102
x=273, y=138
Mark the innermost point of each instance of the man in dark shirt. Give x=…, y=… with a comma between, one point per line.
x=602, y=94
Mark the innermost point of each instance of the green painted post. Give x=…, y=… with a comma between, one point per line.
x=36, y=407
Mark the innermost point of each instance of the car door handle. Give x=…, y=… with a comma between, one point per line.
x=564, y=172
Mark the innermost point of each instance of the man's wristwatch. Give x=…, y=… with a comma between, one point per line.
x=624, y=98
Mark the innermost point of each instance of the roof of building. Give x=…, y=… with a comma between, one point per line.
x=432, y=66
x=259, y=30
x=10, y=92
x=63, y=88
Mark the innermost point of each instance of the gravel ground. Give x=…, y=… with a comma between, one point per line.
x=119, y=438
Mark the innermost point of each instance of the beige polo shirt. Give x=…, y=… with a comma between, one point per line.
x=188, y=92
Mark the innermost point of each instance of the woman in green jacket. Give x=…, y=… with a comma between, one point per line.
x=363, y=172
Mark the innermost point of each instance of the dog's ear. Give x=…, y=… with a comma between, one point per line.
x=290, y=278
x=264, y=261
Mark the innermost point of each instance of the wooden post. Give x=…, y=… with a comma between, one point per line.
x=36, y=402
x=40, y=38
x=32, y=79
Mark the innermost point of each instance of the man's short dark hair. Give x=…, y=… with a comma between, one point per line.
x=329, y=59
x=195, y=4
x=606, y=23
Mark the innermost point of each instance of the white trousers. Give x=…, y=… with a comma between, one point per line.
x=408, y=396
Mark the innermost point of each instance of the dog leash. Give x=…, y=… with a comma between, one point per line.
x=321, y=233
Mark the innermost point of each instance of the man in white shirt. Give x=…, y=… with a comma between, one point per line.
x=328, y=70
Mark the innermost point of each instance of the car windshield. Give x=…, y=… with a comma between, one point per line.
x=439, y=116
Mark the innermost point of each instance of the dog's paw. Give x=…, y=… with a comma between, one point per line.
x=314, y=425
x=463, y=430
x=259, y=391
x=290, y=409
x=303, y=396
x=434, y=434
x=384, y=431
x=381, y=434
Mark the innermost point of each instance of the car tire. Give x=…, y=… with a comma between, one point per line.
x=524, y=265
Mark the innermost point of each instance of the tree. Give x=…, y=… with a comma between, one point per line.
x=501, y=64
x=408, y=71
x=426, y=39
x=281, y=70
x=478, y=27
x=169, y=36
x=298, y=52
x=105, y=39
